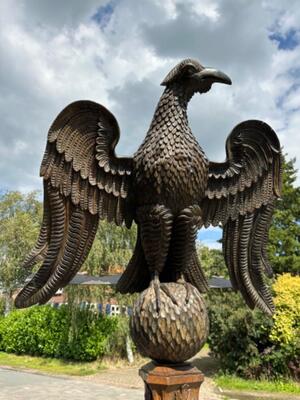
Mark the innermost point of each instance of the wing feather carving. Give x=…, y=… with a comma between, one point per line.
x=240, y=195
x=84, y=181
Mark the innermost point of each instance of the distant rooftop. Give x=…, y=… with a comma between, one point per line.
x=214, y=283
x=82, y=279
x=218, y=282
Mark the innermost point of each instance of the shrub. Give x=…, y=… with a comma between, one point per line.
x=118, y=341
x=2, y=305
x=286, y=329
x=285, y=333
x=89, y=334
x=252, y=345
x=63, y=333
x=238, y=336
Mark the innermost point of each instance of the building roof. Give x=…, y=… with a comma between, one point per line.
x=82, y=279
x=218, y=282
x=214, y=283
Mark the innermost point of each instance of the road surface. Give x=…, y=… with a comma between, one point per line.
x=16, y=385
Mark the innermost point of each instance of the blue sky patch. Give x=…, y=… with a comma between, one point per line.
x=209, y=237
x=288, y=41
x=104, y=13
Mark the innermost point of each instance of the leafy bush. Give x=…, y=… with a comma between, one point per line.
x=252, y=345
x=286, y=327
x=2, y=305
x=285, y=333
x=63, y=333
x=118, y=340
x=238, y=336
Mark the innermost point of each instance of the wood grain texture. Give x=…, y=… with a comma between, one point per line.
x=169, y=188
x=240, y=196
x=80, y=161
x=169, y=382
x=177, y=332
x=84, y=181
x=71, y=234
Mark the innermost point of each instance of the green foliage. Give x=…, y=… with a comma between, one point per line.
x=112, y=246
x=117, y=341
x=20, y=217
x=89, y=334
x=252, y=345
x=62, y=333
x=212, y=261
x=286, y=329
x=284, y=236
x=233, y=382
x=116, y=345
x=237, y=335
x=285, y=333
x=51, y=365
x=2, y=305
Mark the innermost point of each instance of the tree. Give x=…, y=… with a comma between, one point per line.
x=20, y=217
x=212, y=261
x=112, y=247
x=284, y=236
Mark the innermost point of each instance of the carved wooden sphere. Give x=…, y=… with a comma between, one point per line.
x=177, y=332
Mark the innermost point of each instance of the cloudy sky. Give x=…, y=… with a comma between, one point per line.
x=117, y=52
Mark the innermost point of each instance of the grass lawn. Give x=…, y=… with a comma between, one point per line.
x=50, y=365
x=65, y=367
x=231, y=382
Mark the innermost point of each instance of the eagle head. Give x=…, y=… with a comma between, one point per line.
x=194, y=77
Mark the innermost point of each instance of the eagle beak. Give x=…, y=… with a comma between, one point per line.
x=213, y=75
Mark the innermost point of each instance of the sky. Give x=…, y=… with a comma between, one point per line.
x=117, y=53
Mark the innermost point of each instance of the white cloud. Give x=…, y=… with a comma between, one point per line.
x=54, y=52
x=211, y=244
x=292, y=100
x=55, y=14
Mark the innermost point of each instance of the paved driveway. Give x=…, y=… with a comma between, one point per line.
x=15, y=385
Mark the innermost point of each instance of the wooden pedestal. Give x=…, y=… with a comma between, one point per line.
x=171, y=382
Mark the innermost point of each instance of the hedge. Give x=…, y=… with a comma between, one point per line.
x=252, y=345
x=56, y=332
x=286, y=329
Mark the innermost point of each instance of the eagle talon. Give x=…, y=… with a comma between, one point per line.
x=168, y=292
x=188, y=292
x=155, y=284
x=183, y=282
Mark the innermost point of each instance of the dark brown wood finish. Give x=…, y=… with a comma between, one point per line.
x=168, y=188
x=175, y=333
x=171, y=382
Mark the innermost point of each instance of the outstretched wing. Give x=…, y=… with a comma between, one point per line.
x=240, y=196
x=84, y=181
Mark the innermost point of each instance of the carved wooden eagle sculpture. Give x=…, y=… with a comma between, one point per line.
x=169, y=188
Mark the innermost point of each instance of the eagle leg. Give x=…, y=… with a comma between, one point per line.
x=168, y=292
x=187, y=286
x=156, y=286
x=185, y=230
x=155, y=223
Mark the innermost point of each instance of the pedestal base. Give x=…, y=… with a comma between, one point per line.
x=171, y=382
